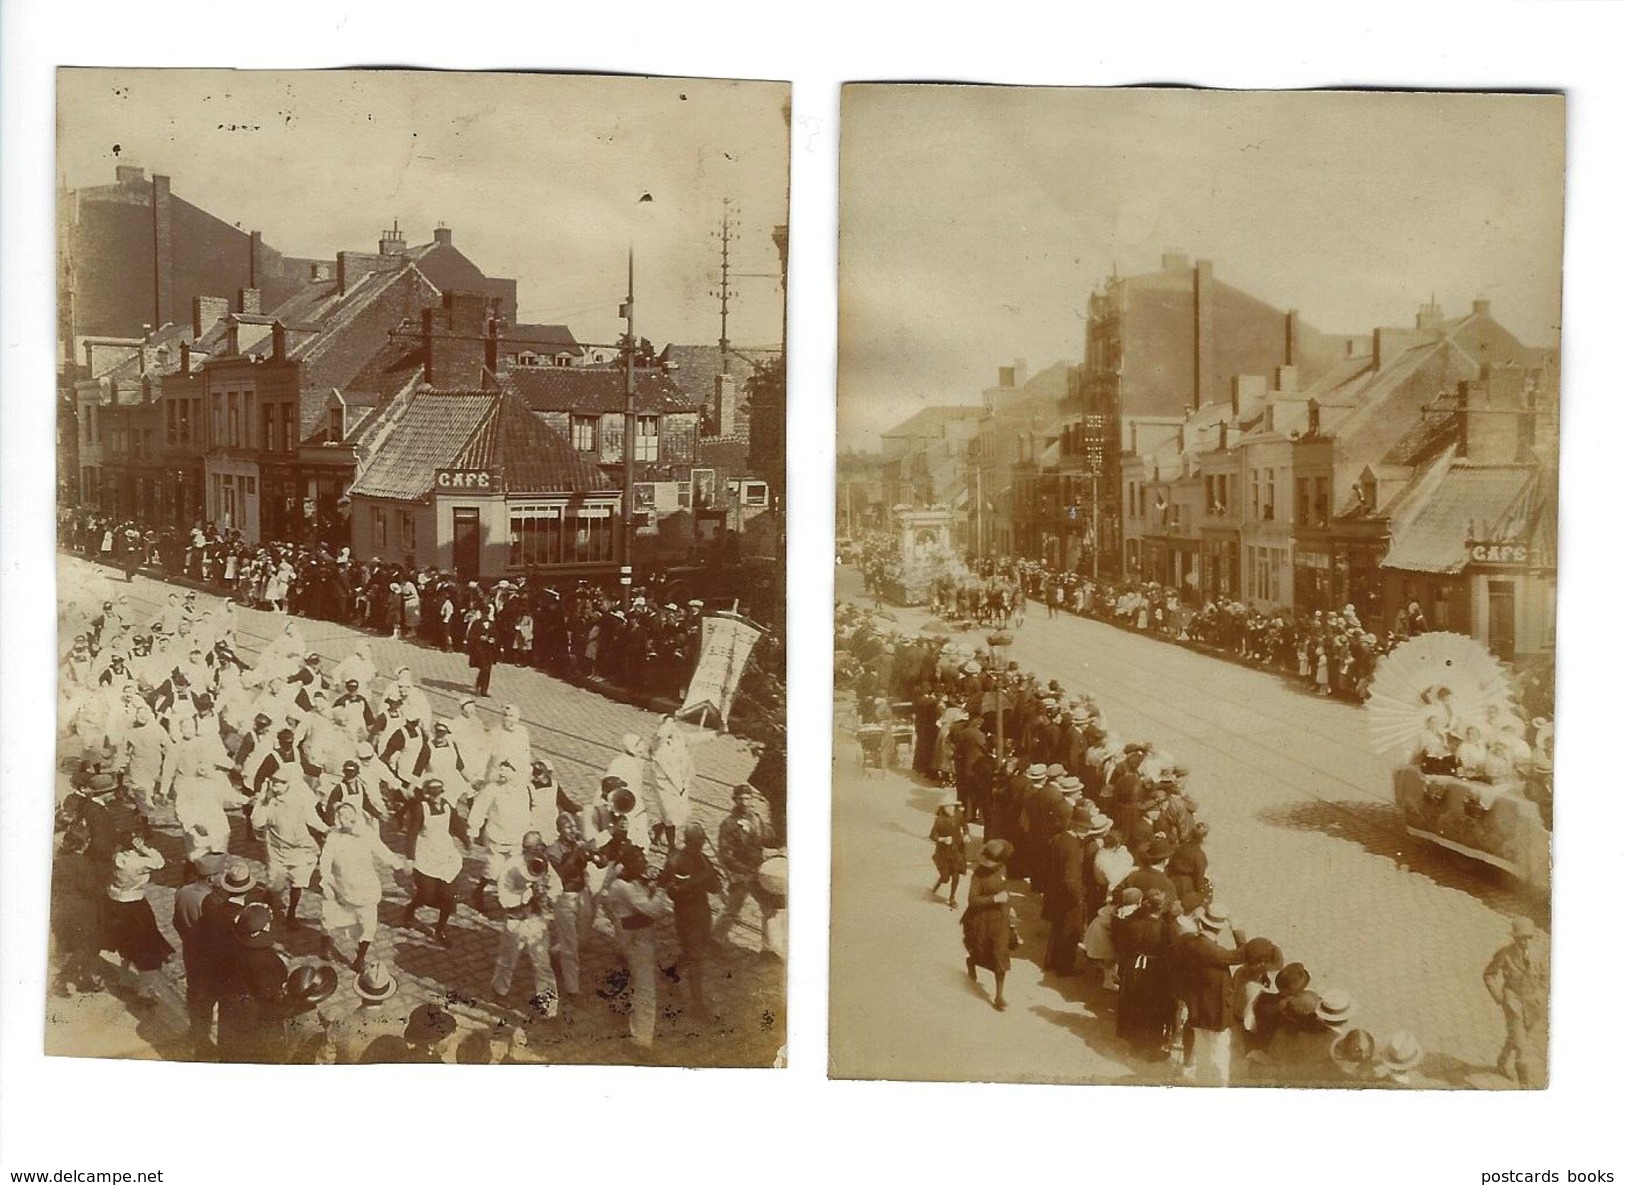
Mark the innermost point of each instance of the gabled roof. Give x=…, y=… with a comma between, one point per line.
x=1469, y=499
x=493, y=429
x=596, y=390
x=551, y=340
x=933, y=421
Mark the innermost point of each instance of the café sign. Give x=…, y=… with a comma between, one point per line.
x=1497, y=551
x=468, y=481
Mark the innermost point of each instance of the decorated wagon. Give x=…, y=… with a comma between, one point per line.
x=1471, y=774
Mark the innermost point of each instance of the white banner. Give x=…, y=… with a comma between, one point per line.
x=725, y=645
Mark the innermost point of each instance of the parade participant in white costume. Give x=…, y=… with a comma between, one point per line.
x=510, y=740
x=673, y=768
x=360, y=667
x=473, y=741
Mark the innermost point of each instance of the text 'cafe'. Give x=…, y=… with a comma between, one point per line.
x=474, y=483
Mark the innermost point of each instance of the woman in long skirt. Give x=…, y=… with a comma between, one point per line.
x=127, y=924
x=986, y=920
x=1146, y=997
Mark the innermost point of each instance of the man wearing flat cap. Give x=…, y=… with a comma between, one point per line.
x=1518, y=978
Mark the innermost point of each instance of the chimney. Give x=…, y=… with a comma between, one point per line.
x=1292, y=337
x=442, y=234
x=233, y=337
x=186, y=357
x=1430, y=315
x=392, y=242
x=1224, y=435
x=1481, y=308
x=1021, y=372
x=254, y=246
x=1134, y=437
x=495, y=363
x=1491, y=416
x=1314, y=417
x=726, y=403
x=1376, y=350
x=1286, y=380
x=1269, y=417
x=1207, y=355
x=1180, y=439
x=163, y=262
x=130, y=174
x=248, y=301
x=279, y=342
x=207, y=312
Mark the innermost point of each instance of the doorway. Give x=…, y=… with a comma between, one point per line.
x=1503, y=619
x=465, y=541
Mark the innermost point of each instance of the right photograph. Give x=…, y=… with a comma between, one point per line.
x=1196, y=586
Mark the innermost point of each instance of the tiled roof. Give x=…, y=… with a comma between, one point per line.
x=432, y=430
x=1471, y=498
x=595, y=390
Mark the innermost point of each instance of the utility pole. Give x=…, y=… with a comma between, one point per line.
x=1094, y=521
x=629, y=352
x=722, y=292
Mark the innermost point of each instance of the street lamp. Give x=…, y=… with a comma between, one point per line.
x=998, y=647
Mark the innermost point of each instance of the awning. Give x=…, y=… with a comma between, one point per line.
x=1435, y=540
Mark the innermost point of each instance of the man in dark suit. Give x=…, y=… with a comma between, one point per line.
x=1064, y=901
x=1205, y=959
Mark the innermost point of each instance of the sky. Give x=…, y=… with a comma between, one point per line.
x=538, y=176
x=975, y=221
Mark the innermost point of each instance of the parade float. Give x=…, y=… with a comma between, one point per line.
x=1470, y=775
x=925, y=555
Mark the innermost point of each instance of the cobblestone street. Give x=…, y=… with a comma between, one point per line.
x=578, y=731
x=1306, y=849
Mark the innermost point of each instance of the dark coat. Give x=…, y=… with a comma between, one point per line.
x=1206, y=981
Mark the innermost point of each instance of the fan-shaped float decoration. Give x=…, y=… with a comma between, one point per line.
x=1442, y=675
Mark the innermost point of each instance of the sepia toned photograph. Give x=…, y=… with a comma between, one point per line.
x=421, y=531
x=1196, y=561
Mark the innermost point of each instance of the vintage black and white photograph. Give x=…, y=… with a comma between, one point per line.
x=421, y=528
x=1196, y=530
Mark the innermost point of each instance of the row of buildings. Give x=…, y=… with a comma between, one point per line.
x=1216, y=445
x=390, y=401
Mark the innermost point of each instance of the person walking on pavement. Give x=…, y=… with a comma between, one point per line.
x=287, y=817
x=635, y=907
x=522, y=884
x=741, y=841
x=436, y=860
x=986, y=921
x=503, y=812
x=350, y=883
x=482, y=652
x=1518, y=978
x=689, y=879
x=570, y=857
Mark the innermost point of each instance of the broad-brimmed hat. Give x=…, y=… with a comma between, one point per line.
x=1036, y=772
x=1401, y=1053
x=238, y=877
x=1158, y=850
x=375, y=983
x=995, y=853
x=1336, y=1007
x=1055, y=770
x=1213, y=916
x=1354, y=1049
x=429, y=1023
x=252, y=928
x=1071, y=784
x=311, y=984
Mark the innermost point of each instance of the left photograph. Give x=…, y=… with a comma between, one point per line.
x=420, y=578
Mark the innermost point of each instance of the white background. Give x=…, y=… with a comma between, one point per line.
x=209, y=1122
